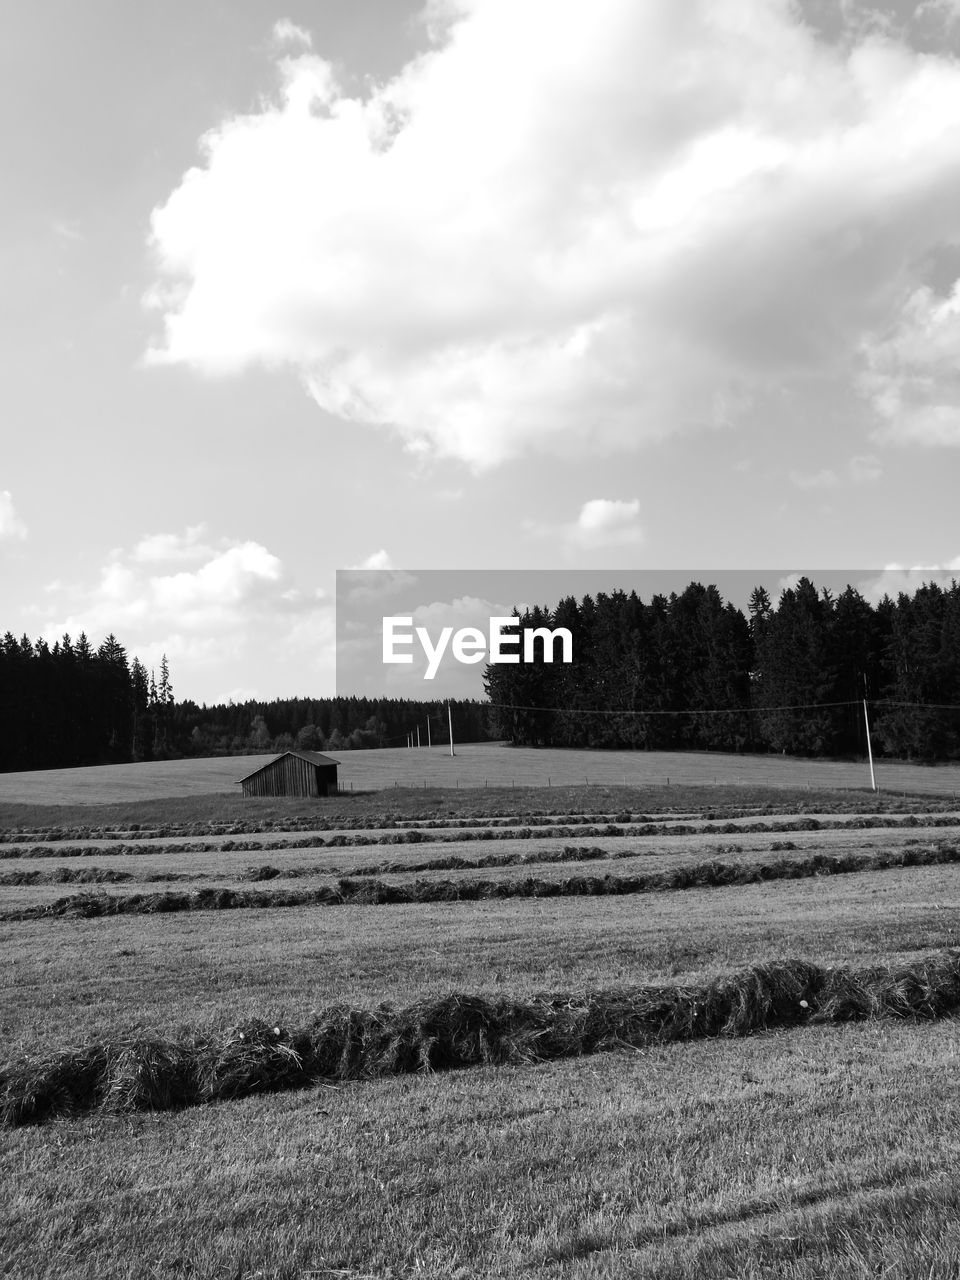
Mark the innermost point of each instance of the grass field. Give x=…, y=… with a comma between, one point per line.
x=814, y=1150
x=476, y=765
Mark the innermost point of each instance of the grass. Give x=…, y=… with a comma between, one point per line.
x=230, y=860
x=37, y=845
x=150, y=1073
x=811, y=1151
x=716, y=1158
x=372, y=891
x=74, y=980
x=475, y=768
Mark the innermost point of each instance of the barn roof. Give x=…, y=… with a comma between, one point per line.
x=311, y=757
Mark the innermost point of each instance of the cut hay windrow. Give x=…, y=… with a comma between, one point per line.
x=439, y=816
x=468, y=834
x=340, y=1044
x=374, y=892
x=385, y=866
x=385, y=820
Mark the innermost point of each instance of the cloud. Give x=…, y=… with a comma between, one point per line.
x=789, y=583
x=644, y=222
x=913, y=372
x=11, y=526
x=166, y=547
x=602, y=522
x=376, y=560
x=896, y=578
x=608, y=522
x=237, y=602
x=286, y=33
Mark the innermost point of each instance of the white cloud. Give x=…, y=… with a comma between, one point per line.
x=238, y=575
x=287, y=33
x=896, y=578
x=639, y=223
x=602, y=522
x=789, y=583
x=237, y=603
x=11, y=526
x=379, y=560
x=913, y=372
x=608, y=522
x=166, y=547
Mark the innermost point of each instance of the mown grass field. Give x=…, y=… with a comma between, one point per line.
x=801, y=1151
x=475, y=766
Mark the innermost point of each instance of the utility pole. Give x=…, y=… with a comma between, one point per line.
x=450, y=722
x=429, y=740
x=418, y=735
x=866, y=721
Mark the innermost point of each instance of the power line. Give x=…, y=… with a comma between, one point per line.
x=698, y=711
x=917, y=706
x=726, y=711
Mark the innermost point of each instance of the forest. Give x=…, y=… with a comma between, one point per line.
x=70, y=705
x=687, y=671
x=692, y=672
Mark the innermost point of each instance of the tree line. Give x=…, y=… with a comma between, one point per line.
x=324, y=724
x=70, y=705
x=690, y=671
x=687, y=671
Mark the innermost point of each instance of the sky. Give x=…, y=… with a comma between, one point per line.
x=292, y=288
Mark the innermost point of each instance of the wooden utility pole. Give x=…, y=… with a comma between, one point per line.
x=866, y=721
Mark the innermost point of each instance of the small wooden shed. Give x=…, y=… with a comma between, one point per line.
x=295, y=773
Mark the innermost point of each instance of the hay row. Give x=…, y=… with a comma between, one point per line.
x=261, y=872
x=383, y=822
x=373, y=892
x=264, y=871
x=853, y=806
x=339, y=1044
x=465, y=836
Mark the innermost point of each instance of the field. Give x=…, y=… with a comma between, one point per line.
x=476, y=766
x=516, y=1028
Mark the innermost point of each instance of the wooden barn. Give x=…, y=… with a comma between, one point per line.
x=295, y=773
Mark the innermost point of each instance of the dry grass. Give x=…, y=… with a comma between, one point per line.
x=716, y=1158
x=368, y=891
x=798, y=1153
x=82, y=979
x=463, y=1030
